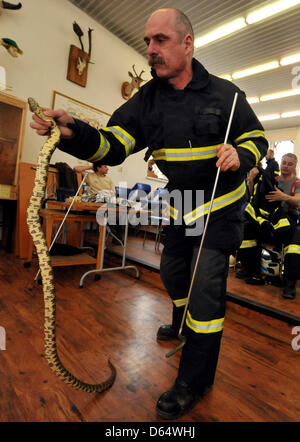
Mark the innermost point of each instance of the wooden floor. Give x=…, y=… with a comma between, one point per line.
x=258, y=377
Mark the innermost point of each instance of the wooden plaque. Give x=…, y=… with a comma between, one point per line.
x=73, y=74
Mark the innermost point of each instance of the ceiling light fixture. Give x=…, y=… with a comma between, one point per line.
x=226, y=77
x=255, y=69
x=281, y=94
x=269, y=10
x=290, y=59
x=220, y=32
x=253, y=100
x=295, y=113
x=268, y=117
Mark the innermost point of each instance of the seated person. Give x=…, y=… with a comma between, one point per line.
x=272, y=216
x=98, y=180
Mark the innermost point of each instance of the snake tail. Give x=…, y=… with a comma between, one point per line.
x=38, y=236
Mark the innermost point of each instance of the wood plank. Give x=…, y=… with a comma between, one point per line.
x=72, y=260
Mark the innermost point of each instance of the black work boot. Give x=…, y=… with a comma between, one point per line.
x=289, y=288
x=166, y=333
x=170, y=331
x=178, y=400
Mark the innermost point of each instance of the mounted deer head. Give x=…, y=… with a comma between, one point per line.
x=128, y=88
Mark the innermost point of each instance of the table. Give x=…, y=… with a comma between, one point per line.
x=51, y=216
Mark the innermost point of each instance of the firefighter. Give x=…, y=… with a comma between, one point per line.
x=272, y=217
x=181, y=115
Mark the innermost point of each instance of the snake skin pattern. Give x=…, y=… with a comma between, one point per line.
x=36, y=231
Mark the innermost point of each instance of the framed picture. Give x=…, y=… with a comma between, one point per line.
x=93, y=116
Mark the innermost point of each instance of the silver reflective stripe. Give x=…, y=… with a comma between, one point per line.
x=218, y=203
x=292, y=248
x=248, y=243
x=123, y=136
x=179, y=302
x=253, y=134
x=190, y=154
x=101, y=152
x=212, y=326
x=249, y=145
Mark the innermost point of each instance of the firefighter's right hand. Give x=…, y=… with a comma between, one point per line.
x=62, y=118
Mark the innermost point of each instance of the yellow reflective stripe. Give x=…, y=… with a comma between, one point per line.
x=264, y=213
x=102, y=150
x=249, y=209
x=218, y=203
x=213, y=326
x=180, y=302
x=284, y=222
x=246, y=244
x=172, y=212
x=186, y=154
x=292, y=248
x=249, y=145
x=276, y=172
x=123, y=137
x=260, y=220
x=253, y=134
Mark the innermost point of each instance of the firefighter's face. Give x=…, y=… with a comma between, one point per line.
x=288, y=166
x=167, y=54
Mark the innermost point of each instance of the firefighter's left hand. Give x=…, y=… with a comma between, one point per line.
x=228, y=158
x=276, y=195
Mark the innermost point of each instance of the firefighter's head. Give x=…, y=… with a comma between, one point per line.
x=288, y=165
x=270, y=154
x=170, y=40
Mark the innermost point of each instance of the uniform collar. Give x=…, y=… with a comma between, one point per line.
x=199, y=81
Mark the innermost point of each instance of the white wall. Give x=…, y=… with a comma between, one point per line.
x=43, y=30
x=292, y=133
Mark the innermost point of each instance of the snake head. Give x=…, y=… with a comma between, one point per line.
x=33, y=105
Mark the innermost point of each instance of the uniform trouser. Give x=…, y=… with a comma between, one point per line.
x=206, y=310
x=250, y=251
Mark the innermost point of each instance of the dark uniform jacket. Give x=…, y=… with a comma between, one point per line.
x=181, y=129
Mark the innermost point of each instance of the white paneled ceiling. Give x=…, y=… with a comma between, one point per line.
x=271, y=39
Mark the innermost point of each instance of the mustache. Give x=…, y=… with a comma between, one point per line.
x=155, y=60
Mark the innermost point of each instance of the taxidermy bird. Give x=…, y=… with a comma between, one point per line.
x=11, y=46
x=6, y=5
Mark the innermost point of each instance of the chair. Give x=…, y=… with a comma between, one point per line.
x=139, y=191
x=157, y=205
x=122, y=192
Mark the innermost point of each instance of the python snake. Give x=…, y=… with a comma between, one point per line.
x=36, y=231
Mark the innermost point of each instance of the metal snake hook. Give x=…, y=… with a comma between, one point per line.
x=180, y=335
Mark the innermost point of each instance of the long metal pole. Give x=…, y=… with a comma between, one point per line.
x=180, y=336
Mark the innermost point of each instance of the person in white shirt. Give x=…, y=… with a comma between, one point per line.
x=98, y=180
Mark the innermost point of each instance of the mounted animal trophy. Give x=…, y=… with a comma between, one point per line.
x=6, y=5
x=79, y=59
x=127, y=88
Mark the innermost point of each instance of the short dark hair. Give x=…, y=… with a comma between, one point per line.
x=96, y=165
x=183, y=23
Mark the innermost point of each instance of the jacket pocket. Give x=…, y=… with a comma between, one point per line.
x=207, y=121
